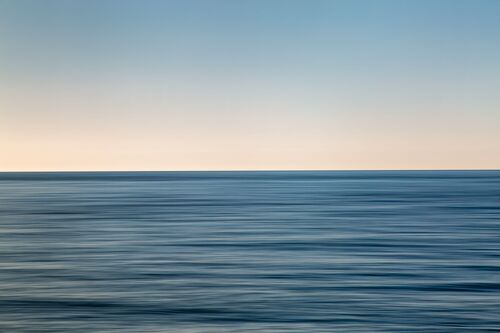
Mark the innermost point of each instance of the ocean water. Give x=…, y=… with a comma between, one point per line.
x=250, y=252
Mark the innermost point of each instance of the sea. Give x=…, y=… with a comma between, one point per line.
x=244, y=251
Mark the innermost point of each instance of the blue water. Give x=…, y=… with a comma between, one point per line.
x=250, y=252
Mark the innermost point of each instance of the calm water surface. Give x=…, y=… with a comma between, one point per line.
x=250, y=252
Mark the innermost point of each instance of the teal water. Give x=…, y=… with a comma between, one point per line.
x=292, y=252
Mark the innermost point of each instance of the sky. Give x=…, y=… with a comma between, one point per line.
x=249, y=84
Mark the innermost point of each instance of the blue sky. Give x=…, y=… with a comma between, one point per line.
x=210, y=84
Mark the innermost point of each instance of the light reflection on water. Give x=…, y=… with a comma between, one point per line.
x=250, y=252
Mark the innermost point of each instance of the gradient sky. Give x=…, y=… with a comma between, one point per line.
x=249, y=84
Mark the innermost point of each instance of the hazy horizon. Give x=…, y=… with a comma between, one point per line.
x=249, y=85
x=247, y=170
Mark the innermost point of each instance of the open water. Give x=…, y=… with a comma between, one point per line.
x=319, y=251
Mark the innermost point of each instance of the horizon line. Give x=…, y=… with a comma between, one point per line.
x=239, y=170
